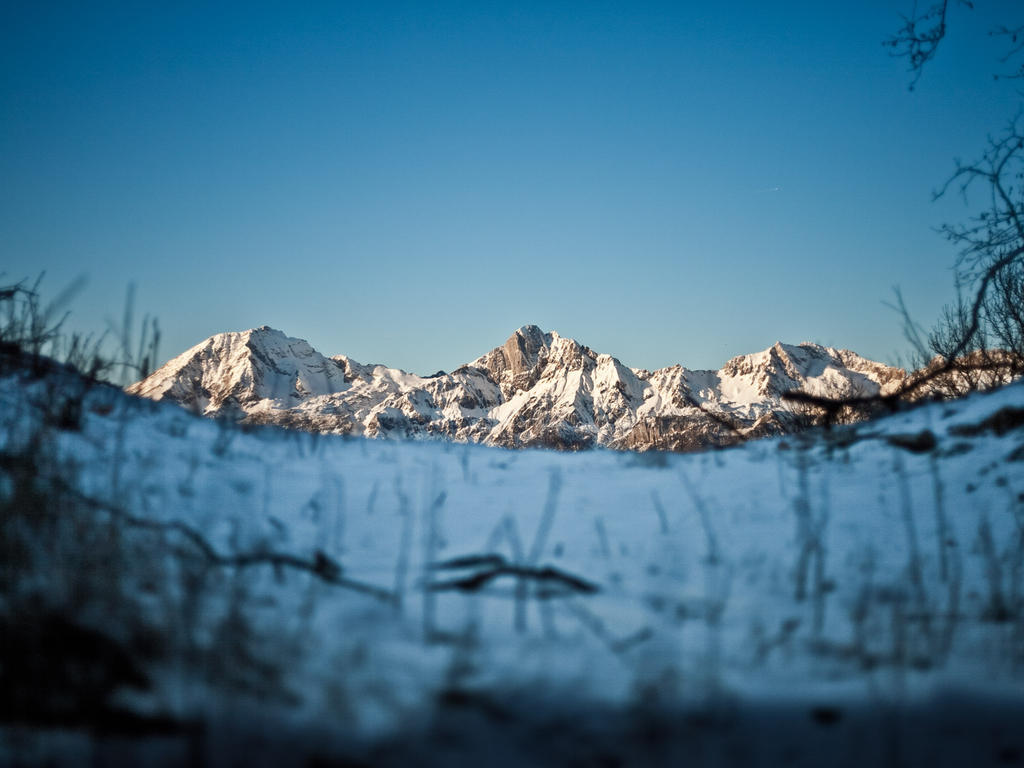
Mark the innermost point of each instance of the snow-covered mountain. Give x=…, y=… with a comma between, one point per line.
x=537, y=389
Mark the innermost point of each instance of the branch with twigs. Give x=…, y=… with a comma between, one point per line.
x=919, y=38
x=991, y=246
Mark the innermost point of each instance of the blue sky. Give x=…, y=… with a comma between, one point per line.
x=408, y=183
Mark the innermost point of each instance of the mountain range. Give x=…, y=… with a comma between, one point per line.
x=536, y=389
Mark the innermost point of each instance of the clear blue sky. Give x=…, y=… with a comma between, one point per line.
x=407, y=183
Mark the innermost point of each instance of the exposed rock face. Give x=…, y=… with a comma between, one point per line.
x=537, y=389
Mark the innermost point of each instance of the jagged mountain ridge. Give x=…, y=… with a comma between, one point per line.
x=537, y=389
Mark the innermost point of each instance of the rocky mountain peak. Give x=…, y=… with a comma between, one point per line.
x=524, y=348
x=514, y=366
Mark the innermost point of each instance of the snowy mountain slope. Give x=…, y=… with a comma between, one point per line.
x=798, y=598
x=255, y=369
x=536, y=389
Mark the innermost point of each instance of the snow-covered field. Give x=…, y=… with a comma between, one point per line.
x=854, y=595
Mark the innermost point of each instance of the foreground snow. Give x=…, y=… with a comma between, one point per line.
x=866, y=567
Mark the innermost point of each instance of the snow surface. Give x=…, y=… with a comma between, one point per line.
x=696, y=558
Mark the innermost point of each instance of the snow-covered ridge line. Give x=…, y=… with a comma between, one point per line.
x=538, y=388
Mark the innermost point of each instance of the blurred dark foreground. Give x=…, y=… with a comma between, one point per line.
x=473, y=729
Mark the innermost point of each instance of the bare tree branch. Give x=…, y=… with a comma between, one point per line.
x=919, y=37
